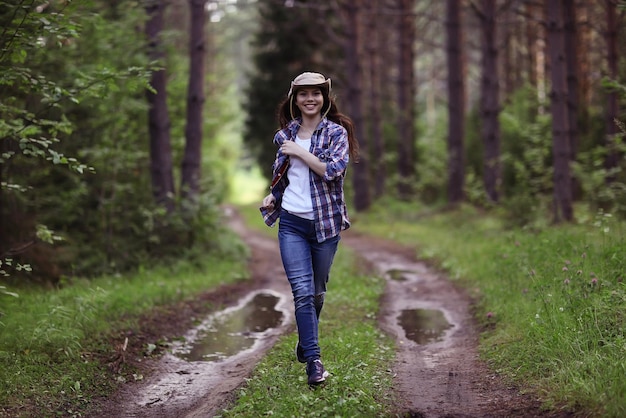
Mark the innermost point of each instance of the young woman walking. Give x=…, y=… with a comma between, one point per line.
x=315, y=142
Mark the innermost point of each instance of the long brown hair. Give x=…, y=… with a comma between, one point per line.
x=286, y=112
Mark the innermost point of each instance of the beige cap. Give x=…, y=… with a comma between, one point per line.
x=309, y=79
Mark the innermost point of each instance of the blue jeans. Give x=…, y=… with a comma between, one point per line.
x=307, y=265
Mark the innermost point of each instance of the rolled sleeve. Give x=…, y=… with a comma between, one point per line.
x=336, y=156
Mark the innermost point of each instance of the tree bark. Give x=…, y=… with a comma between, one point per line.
x=190, y=178
x=508, y=55
x=612, y=106
x=558, y=106
x=571, y=62
x=158, y=116
x=456, y=103
x=374, y=47
x=490, y=101
x=531, y=43
x=360, y=174
x=406, y=100
x=585, y=46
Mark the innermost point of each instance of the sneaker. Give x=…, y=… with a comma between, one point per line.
x=300, y=353
x=315, y=371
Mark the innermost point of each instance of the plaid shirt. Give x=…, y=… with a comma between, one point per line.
x=329, y=143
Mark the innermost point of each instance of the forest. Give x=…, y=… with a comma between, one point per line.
x=116, y=142
x=126, y=125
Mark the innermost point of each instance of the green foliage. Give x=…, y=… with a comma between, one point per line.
x=526, y=157
x=550, y=303
x=604, y=186
x=432, y=167
x=54, y=78
x=80, y=90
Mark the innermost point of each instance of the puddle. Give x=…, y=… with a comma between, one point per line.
x=424, y=326
x=233, y=330
x=398, y=275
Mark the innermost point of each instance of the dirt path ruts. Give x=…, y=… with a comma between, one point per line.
x=440, y=379
x=174, y=388
x=443, y=378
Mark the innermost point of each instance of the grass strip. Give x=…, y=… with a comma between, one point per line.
x=552, y=301
x=52, y=341
x=355, y=352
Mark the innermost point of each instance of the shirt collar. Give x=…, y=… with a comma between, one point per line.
x=294, y=124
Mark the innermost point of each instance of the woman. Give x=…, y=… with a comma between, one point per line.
x=314, y=143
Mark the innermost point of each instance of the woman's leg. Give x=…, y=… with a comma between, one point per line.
x=323, y=255
x=294, y=240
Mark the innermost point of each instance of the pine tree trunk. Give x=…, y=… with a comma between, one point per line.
x=190, y=178
x=490, y=102
x=585, y=46
x=612, y=108
x=360, y=173
x=456, y=103
x=571, y=60
x=508, y=54
x=158, y=116
x=531, y=43
x=374, y=47
x=558, y=105
x=406, y=100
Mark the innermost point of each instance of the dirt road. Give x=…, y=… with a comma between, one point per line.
x=437, y=374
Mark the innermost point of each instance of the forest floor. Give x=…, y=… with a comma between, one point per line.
x=441, y=378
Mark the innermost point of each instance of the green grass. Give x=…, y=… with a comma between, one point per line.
x=51, y=341
x=552, y=302
x=354, y=351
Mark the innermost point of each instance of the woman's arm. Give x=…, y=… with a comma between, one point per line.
x=292, y=149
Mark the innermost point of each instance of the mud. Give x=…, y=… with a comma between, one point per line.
x=439, y=375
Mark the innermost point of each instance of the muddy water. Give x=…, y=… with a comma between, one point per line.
x=415, y=315
x=233, y=330
x=423, y=326
x=214, y=358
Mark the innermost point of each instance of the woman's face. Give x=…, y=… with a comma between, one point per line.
x=310, y=101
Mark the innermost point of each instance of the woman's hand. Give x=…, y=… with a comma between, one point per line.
x=292, y=149
x=269, y=201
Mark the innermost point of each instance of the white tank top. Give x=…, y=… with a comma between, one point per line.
x=297, y=195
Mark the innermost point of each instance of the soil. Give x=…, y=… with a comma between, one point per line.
x=442, y=378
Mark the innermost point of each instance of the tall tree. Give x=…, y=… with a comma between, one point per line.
x=373, y=47
x=584, y=48
x=612, y=107
x=190, y=176
x=350, y=11
x=456, y=102
x=406, y=98
x=558, y=107
x=531, y=43
x=570, y=24
x=158, y=117
x=490, y=99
